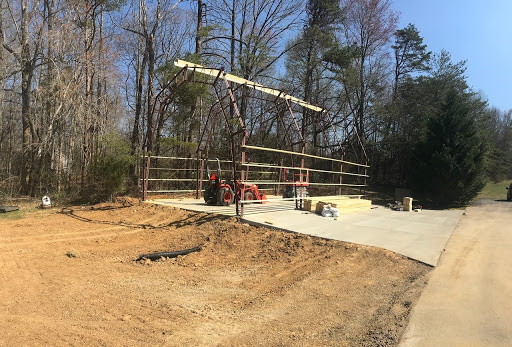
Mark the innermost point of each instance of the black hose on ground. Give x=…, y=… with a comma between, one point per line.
x=173, y=254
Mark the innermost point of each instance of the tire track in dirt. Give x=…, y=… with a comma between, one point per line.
x=90, y=234
x=246, y=308
x=50, y=235
x=248, y=286
x=28, y=243
x=280, y=281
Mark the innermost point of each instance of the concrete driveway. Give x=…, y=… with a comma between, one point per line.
x=418, y=235
x=468, y=300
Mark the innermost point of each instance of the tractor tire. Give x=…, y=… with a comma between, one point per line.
x=209, y=195
x=206, y=194
x=225, y=196
x=248, y=196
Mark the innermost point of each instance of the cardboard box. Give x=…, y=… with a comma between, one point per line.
x=306, y=205
x=407, y=203
x=319, y=207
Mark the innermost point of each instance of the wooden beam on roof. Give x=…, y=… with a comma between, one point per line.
x=232, y=78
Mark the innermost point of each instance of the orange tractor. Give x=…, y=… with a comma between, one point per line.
x=220, y=192
x=251, y=192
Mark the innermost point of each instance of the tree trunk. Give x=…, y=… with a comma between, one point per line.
x=232, y=50
x=150, y=49
x=199, y=26
x=48, y=117
x=26, y=79
x=139, y=77
x=86, y=141
x=308, y=90
x=2, y=87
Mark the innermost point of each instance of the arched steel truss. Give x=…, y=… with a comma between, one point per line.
x=227, y=91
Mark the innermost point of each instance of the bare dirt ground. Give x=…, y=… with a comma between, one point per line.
x=69, y=277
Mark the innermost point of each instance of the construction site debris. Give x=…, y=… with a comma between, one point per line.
x=344, y=204
x=407, y=203
x=46, y=202
x=329, y=211
x=326, y=211
x=72, y=254
x=269, y=272
x=172, y=254
x=396, y=206
x=5, y=209
x=307, y=205
x=319, y=207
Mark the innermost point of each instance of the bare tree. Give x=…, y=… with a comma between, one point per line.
x=25, y=46
x=369, y=26
x=248, y=36
x=153, y=35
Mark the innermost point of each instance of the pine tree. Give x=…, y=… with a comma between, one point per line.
x=410, y=54
x=450, y=163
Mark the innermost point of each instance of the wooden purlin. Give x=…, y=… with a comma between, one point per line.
x=232, y=78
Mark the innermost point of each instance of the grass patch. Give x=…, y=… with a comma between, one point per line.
x=497, y=191
x=26, y=206
x=12, y=215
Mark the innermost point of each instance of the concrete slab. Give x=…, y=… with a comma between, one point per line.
x=417, y=235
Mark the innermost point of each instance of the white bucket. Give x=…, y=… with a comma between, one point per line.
x=46, y=202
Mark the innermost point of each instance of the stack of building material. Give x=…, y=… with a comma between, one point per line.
x=345, y=205
x=306, y=205
x=407, y=203
x=319, y=207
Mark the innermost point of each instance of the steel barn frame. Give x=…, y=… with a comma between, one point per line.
x=224, y=88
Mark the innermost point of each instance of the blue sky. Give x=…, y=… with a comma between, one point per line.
x=474, y=30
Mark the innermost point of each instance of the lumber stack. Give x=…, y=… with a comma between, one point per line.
x=407, y=204
x=345, y=205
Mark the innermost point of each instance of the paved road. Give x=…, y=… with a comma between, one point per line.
x=468, y=300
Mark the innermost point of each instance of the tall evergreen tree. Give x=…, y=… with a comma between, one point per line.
x=410, y=54
x=449, y=164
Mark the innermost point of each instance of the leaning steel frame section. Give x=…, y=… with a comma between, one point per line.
x=222, y=85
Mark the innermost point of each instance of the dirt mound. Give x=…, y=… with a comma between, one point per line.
x=248, y=285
